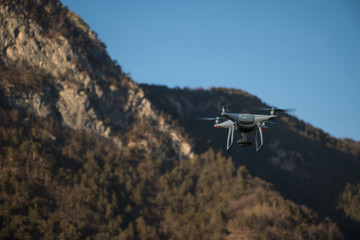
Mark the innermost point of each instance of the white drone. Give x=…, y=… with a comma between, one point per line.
x=245, y=123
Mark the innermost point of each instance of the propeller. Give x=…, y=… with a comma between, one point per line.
x=287, y=110
x=273, y=122
x=206, y=118
x=217, y=119
x=274, y=110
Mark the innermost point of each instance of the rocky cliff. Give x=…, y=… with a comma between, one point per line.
x=74, y=80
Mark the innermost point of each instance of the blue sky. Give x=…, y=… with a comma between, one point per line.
x=291, y=54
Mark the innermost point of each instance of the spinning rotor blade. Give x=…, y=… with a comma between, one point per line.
x=285, y=110
x=206, y=118
x=272, y=122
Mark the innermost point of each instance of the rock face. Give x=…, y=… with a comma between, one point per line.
x=83, y=88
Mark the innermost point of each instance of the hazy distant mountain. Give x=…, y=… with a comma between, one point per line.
x=86, y=152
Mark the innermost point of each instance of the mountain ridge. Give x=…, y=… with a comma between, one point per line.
x=93, y=95
x=304, y=163
x=87, y=152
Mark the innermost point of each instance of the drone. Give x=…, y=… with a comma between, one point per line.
x=245, y=123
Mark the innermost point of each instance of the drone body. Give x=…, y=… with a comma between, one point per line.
x=245, y=123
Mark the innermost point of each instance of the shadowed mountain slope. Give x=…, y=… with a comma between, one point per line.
x=304, y=163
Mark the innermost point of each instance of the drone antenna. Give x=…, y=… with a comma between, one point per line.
x=272, y=111
x=224, y=110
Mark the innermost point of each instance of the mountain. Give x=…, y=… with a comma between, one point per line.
x=86, y=153
x=304, y=163
x=63, y=71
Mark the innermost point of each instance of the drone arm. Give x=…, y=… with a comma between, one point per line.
x=230, y=137
x=257, y=138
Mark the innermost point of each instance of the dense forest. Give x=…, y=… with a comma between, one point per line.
x=61, y=184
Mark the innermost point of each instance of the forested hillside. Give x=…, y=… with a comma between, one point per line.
x=304, y=163
x=57, y=183
x=86, y=153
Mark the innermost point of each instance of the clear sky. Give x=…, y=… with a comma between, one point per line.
x=291, y=54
